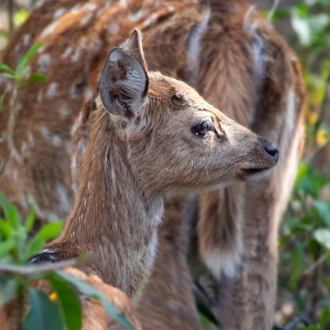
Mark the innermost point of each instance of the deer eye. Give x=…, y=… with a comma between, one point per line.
x=202, y=129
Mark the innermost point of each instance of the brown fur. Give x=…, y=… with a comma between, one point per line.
x=226, y=74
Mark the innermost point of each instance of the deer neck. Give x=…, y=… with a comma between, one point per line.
x=114, y=217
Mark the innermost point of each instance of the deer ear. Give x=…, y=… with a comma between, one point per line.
x=124, y=81
x=134, y=46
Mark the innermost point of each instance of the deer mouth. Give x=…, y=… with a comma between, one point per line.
x=255, y=173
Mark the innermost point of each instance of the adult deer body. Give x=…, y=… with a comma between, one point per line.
x=131, y=162
x=233, y=57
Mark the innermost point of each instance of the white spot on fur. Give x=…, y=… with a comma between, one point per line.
x=23, y=148
x=44, y=214
x=67, y=52
x=45, y=132
x=73, y=92
x=17, y=48
x=16, y=155
x=86, y=20
x=74, y=163
x=26, y=39
x=194, y=45
x=77, y=123
x=58, y=13
x=75, y=57
x=75, y=8
x=57, y=141
x=41, y=49
x=44, y=62
x=99, y=13
x=90, y=7
x=64, y=110
x=63, y=198
x=40, y=96
x=152, y=18
x=257, y=45
x=15, y=175
x=50, y=29
x=136, y=16
x=81, y=146
x=52, y=89
x=113, y=28
x=123, y=3
x=31, y=139
x=68, y=148
x=88, y=94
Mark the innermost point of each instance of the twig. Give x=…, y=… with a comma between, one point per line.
x=316, y=264
x=302, y=319
x=42, y=268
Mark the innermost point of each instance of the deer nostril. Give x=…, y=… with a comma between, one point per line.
x=272, y=150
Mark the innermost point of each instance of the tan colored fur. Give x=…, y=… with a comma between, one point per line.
x=244, y=68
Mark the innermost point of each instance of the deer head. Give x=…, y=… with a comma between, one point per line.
x=176, y=139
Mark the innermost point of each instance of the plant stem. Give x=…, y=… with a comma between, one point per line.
x=21, y=289
x=317, y=272
x=10, y=17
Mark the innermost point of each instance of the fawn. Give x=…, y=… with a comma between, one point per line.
x=150, y=134
x=233, y=57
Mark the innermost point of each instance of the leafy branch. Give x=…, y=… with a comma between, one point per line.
x=20, y=76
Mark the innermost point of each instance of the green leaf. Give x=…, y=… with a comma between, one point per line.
x=2, y=99
x=69, y=302
x=325, y=318
x=50, y=230
x=35, y=246
x=20, y=74
x=323, y=237
x=11, y=212
x=5, y=228
x=6, y=246
x=6, y=68
x=30, y=219
x=36, y=77
x=7, y=290
x=26, y=58
x=7, y=75
x=92, y=292
x=43, y=313
x=296, y=267
x=323, y=210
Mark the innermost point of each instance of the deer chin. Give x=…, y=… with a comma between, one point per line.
x=255, y=174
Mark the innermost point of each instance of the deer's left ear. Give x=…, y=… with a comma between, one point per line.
x=124, y=80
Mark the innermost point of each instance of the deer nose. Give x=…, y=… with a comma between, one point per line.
x=272, y=151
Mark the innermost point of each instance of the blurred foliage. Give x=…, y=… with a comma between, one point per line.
x=17, y=79
x=304, y=272
x=55, y=310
